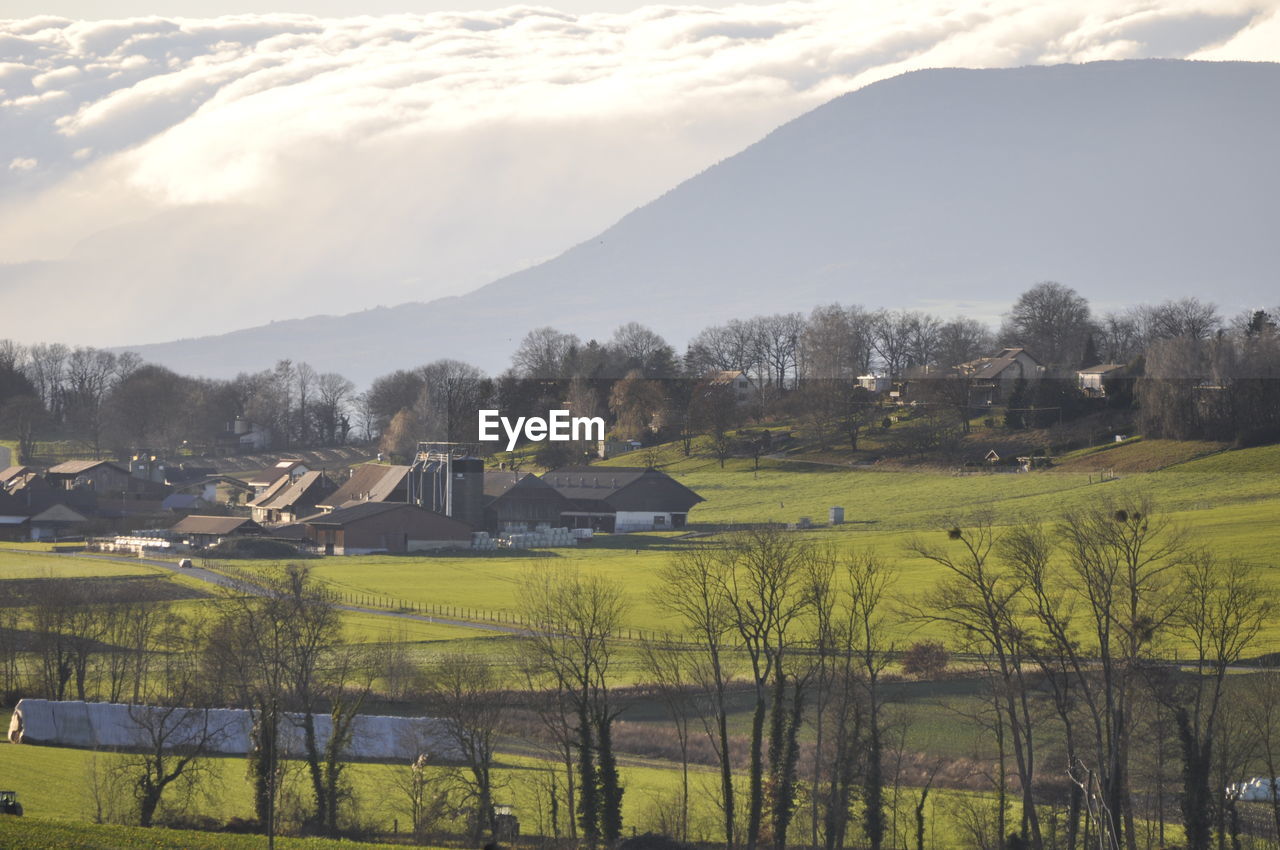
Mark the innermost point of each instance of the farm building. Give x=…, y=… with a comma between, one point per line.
x=370, y=482
x=517, y=501
x=289, y=498
x=384, y=527
x=105, y=725
x=622, y=498
x=202, y=531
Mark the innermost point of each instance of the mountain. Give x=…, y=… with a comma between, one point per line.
x=950, y=190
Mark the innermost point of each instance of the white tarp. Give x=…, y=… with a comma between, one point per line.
x=224, y=730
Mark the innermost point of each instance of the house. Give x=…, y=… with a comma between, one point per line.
x=201, y=531
x=738, y=382
x=247, y=436
x=370, y=482
x=288, y=499
x=17, y=477
x=516, y=501
x=290, y=467
x=391, y=527
x=874, y=383
x=1092, y=381
x=621, y=499
x=992, y=379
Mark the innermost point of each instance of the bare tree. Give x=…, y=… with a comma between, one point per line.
x=694, y=586
x=470, y=698
x=1222, y=609
x=1051, y=320
x=574, y=621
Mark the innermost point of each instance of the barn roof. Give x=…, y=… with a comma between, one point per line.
x=622, y=489
x=214, y=525
x=369, y=482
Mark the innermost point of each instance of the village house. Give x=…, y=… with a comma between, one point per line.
x=1092, y=381
x=396, y=528
x=370, y=482
x=738, y=382
x=289, y=499
x=992, y=379
x=620, y=499
x=292, y=468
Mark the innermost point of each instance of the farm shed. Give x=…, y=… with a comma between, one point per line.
x=384, y=527
x=91, y=725
x=201, y=531
x=516, y=501
x=622, y=498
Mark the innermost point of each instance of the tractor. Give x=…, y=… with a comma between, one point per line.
x=9, y=804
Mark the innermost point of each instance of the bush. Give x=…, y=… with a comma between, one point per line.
x=927, y=659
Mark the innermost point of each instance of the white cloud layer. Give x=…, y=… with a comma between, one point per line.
x=175, y=177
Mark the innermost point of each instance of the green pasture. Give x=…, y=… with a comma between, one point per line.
x=35, y=564
x=54, y=785
x=41, y=834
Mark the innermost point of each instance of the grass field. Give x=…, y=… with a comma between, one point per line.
x=40, y=834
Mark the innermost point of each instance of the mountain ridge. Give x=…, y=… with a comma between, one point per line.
x=944, y=189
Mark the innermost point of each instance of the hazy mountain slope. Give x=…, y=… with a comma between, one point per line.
x=948, y=189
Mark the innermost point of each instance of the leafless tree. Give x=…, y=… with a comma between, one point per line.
x=977, y=599
x=574, y=621
x=1052, y=321
x=693, y=584
x=472, y=700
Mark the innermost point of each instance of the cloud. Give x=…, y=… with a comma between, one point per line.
x=283, y=165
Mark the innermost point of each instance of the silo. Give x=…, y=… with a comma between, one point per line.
x=468, y=490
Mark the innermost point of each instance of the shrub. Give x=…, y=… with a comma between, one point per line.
x=926, y=658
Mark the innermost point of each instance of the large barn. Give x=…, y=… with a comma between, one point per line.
x=619, y=499
x=520, y=501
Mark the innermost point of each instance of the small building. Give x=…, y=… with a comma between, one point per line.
x=391, y=527
x=370, y=482
x=100, y=476
x=1092, y=381
x=738, y=382
x=874, y=383
x=520, y=501
x=199, y=532
x=622, y=499
x=289, y=499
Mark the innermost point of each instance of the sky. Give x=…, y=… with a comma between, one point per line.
x=166, y=176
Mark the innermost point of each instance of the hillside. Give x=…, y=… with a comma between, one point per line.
x=950, y=190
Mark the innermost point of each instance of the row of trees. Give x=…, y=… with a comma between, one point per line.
x=114, y=402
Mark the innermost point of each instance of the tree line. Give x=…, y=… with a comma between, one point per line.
x=1192, y=373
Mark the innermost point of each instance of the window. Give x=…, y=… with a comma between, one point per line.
x=659, y=519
